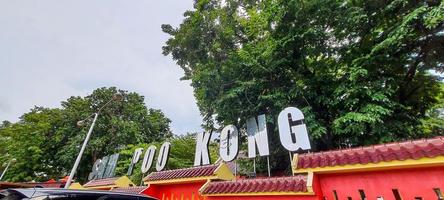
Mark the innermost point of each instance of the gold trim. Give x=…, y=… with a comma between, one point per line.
x=204, y=186
x=294, y=163
x=310, y=181
x=223, y=172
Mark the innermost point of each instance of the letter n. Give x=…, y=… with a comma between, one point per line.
x=257, y=135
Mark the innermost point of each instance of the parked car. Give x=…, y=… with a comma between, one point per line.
x=66, y=194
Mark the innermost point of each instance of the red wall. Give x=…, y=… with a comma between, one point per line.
x=410, y=183
x=176, y=191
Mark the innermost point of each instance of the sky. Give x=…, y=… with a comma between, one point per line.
x=52, y=49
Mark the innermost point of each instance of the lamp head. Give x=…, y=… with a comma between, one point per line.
x=118, y=96
x=80, y=123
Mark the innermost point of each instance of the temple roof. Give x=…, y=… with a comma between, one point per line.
x=398, y=151
x=193, y=172
x=220, y=171
x=131, y=190
x=107, y=183
x=101, y=182
x=292, y=184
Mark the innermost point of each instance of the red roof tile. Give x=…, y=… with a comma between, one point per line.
x=258, y=185
x=193, y=172
x=131, y=190
x=64, y=179
x=100, y=182
x=374, y=154
x=51, y=181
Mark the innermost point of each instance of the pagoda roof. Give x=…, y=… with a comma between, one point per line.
x=291, y=185
x=414, y=150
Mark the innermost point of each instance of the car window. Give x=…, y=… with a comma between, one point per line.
x=8, y=195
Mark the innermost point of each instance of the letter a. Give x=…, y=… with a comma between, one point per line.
x=202, y=157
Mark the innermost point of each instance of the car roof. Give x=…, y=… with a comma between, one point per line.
x=29, y=192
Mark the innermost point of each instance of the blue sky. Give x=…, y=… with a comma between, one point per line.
x=52, y=49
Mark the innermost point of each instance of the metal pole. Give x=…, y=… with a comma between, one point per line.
x=4, y=171
x=79, y=157
x=254, y=165
x=235, y=169
x=268, y=163
x=291, y=157
x=141, y=180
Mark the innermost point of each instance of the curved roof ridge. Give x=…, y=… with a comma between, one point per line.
x=374, y=146
x=283, y=184
x=412, y=149
x=197, y=171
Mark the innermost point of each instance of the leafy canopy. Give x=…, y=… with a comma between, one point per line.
x=45, y=142
x=359, y=69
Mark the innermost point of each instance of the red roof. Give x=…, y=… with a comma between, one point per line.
x=374, y=154
x=193, y=172
x=101, y=182
x=258, y=185
x=51, y=181
x=64, y=179
x=131, y=190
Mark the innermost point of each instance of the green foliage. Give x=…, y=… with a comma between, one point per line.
x=45, y=142
x=181, y=155
x=360, y=70
x=433, y=124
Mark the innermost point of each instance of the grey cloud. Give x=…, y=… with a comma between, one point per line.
x=55, y=49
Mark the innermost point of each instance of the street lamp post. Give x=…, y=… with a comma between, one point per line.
x=116, y=97
x=7, y=167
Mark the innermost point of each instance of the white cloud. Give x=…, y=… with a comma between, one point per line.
x=54, y=49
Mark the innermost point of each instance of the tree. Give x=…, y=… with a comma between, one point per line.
x=46, y=141
x=358, y=69
x=433, y=124
x=25, y=142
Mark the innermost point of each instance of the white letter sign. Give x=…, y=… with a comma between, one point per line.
x=202, y=157
x=136, y=155
x=148, y=158
x=135, y=159
x=162, y=160
x=292, y=130
x=257, y=134
x=229, y=143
